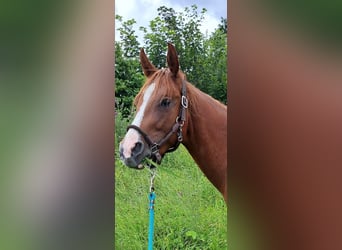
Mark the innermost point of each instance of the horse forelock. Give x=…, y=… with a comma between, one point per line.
x=164, y=83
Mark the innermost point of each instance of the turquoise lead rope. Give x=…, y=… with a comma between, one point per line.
x=152, y=197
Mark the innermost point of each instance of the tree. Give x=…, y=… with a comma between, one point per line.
x=183, y=30
x=129, y=40
x=216, y=63
x=128, y=74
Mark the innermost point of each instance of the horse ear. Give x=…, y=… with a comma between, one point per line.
x=146, y=65
x=172, y=59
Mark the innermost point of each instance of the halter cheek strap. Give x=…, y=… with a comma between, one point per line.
x=177, y=127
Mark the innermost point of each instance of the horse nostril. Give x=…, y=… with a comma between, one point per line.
x=138, y=148
x=121, y=152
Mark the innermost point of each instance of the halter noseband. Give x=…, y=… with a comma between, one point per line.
x=177, y=127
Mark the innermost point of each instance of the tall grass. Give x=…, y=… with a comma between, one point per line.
x=189, y=212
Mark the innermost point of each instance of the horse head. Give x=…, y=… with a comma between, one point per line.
x=161, y=113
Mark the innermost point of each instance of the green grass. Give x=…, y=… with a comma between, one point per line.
x=189, y=212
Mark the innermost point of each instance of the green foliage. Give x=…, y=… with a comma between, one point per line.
x=189, y=212
x=182, y=29
x=216, y=64
x=202, y=58
x=129, y=41
x=128, y=75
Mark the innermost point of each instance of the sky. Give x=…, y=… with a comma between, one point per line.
x=137, y=10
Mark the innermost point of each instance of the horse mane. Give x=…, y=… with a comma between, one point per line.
x=164, y=81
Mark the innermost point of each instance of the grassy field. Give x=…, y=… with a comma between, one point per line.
x=189, y=212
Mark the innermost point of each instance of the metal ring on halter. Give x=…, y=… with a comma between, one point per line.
x=184, y=101
x=180, y=123
x=180, y=137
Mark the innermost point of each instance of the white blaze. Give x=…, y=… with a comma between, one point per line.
x=132, y=135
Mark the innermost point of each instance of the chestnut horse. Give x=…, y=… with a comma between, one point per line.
x=171, y=111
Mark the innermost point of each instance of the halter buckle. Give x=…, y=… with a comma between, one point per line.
x=184, y=101
x=154, y=148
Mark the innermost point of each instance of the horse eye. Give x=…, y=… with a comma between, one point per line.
x=165, y=102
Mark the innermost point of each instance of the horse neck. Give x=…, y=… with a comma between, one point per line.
x=206, y=137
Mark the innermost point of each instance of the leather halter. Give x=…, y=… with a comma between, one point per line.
x=177, y=127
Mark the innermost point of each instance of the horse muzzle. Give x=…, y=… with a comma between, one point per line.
x=137, y=153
